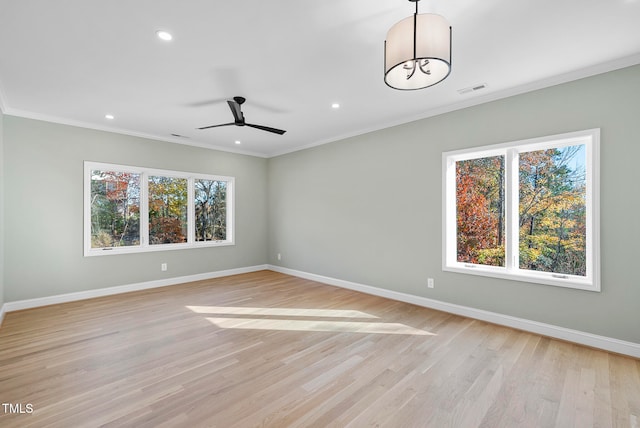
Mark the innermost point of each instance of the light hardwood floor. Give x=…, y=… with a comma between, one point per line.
x=266, y=349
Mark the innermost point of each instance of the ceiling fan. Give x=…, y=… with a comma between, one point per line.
x=236, y=109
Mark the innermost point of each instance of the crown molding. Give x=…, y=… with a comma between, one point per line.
x=86, y=125
x=570, y=76
x=3, y=108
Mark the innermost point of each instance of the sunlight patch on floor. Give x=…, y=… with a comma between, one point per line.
x=284, y=312
x=328, y=326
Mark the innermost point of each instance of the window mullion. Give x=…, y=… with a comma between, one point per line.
x=230, y=210
x=144, y=209
x=191, y=224
x=512, y=210
x=449, y=212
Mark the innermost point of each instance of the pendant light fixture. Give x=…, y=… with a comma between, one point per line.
x=417, y=52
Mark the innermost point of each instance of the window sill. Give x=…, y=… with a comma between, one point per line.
x=545, y=278
x=152, y=248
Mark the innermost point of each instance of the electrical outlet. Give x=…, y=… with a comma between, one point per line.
x=430, y=283
x=163, y=267
x=279, y=256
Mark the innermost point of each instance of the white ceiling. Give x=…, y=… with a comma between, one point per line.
x=73, y=61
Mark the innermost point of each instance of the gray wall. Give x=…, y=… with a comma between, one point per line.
x=44, y=207
x=368, y=209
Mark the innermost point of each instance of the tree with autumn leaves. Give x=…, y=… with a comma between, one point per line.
x=167, y=210
x=115, y=209
x=480, y=210
x=553, y=211
x=552, y=216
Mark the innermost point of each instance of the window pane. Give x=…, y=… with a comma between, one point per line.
x=167, y=210
x=211, y=210
x=115, y=209
x=480, y=211
x=553, y=210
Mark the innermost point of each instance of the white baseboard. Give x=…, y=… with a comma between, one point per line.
x=601, y=342
x=89, y=294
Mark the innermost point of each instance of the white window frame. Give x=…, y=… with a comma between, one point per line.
x=591, y=281
x=144, y=210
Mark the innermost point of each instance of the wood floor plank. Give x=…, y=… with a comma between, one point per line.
x=267, y=349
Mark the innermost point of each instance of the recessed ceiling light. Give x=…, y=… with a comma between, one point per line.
x=164, y=35
x=335, y=105
x=238, y=142
x=109, y=116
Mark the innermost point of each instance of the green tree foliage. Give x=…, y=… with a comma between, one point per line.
x=553, y=211
x=167, y=210
x=115, y=209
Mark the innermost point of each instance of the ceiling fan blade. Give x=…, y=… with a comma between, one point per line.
x=215, y=126
x=235, y=109
x=266, y=128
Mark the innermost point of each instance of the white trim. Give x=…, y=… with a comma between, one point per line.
x=3, y=108
x=122, y=131
x=100, y=292
x=570, y=76
x=3, y=310
x=144, y=245
x=582, y=73
x=601, y=342
x=590, y=138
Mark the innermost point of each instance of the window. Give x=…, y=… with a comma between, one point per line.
x=525, y=210
x=167, y=210
x=211, y=208
x=132, y=209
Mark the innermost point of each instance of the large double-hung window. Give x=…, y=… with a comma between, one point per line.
x=132, y=209
x=526, y=210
